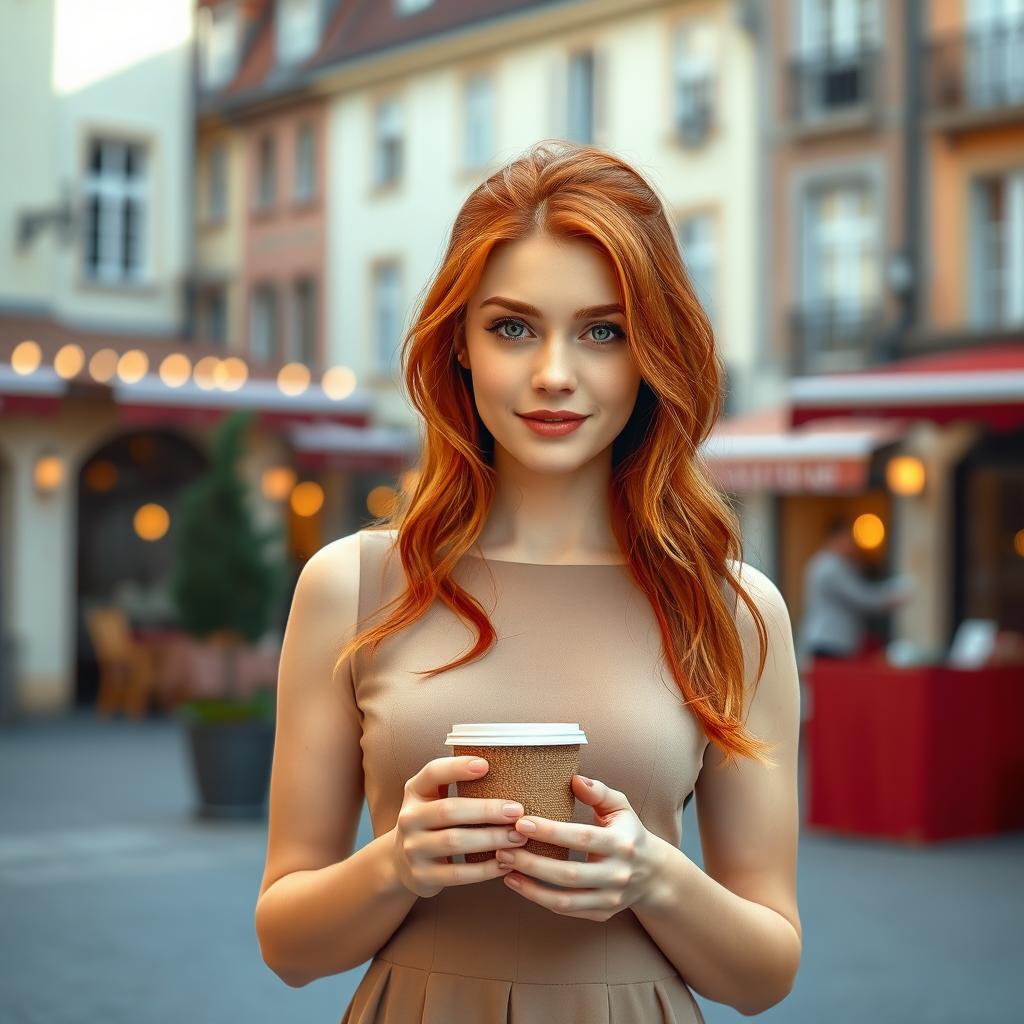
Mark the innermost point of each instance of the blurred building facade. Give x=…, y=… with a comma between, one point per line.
x=265, y=187
x=897, y=234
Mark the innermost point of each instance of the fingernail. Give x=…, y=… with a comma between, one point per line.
x=477, y=766
x=526, y=825
x=511, y=809
x=587, y=781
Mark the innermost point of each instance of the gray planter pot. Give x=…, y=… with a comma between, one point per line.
x=231, y=764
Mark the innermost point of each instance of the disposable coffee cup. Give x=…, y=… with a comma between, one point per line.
x=531, y=763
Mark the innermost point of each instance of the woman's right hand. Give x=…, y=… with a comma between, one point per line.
x=427, y=834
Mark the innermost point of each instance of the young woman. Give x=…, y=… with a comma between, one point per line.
x=584, y=573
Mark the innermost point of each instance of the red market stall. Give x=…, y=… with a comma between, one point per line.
x=915, y=753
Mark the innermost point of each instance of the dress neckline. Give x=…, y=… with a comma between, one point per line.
x=537, y=565
x=548, y=565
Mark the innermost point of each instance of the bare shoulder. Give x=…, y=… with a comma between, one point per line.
x=333, y=571
x=779, y=672
x=764, y=593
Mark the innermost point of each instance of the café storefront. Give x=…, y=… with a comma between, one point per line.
x=88, y=473
x=918, y=741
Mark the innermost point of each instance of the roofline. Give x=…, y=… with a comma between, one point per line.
x=393, y=60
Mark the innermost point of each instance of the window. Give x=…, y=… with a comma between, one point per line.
x=411, y=6
x=997, y=241
x=304, y=323
x=842, y=258
x=305, y=164
x=115, y=211
x=995, y=41
x=263, y=323
x=479, y=98
x=695, y=62
x=386, y=317
x=388, y=147
x=213, y=316
x=216, y=182
x=837, y=40
x=218, y=44
x=699, y=253
x=838, y=27
x=839, y=314
x=298, y=29
x=266, y=173
x=580, y=126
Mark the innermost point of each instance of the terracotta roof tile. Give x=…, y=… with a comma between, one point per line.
x=376, y=25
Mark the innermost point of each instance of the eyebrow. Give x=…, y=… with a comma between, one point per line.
x=528, y=310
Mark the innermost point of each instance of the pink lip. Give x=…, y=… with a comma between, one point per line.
x=551, y=414
x=552, y=429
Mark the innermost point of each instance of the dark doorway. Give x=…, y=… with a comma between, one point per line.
x=127, y=491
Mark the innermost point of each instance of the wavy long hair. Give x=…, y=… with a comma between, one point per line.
x=677, y=532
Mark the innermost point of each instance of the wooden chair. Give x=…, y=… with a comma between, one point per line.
x=127, y=669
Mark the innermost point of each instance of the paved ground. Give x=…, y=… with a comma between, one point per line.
x=118, y=907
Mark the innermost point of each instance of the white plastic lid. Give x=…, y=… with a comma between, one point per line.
x=514, y=734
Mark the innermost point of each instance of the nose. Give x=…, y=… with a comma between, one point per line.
x=553, y=368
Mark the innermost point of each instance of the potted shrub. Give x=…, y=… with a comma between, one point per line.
x=226, y=587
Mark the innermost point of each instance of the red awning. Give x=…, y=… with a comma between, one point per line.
x=149, y=402
x=761, y=451
x=336, y=446
x=983, y=384
x=39, y=393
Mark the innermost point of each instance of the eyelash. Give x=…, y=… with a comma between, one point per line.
x=617, y=332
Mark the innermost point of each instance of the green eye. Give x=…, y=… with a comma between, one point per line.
x=616, y=332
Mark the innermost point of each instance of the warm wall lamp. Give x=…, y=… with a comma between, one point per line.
x=905, y=475
x=48, y=472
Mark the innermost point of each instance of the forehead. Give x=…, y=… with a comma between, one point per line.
x=556, y=275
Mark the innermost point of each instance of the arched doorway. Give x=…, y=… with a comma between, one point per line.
x=128, y=492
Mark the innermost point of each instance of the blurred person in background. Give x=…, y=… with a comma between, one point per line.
x=837, y=597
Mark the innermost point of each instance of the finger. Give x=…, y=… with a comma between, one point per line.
x=450, y=873
x=569, y=874
x=435, y=843
x=569, y=834
x=594, y=903
x=604, y=800
x=471, y=810
x=441, y=772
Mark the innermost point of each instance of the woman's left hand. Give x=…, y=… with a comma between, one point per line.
x=623, y=865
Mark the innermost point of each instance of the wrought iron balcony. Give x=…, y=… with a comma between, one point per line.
x=976, y=77
x=832, y=86
x=828, y=336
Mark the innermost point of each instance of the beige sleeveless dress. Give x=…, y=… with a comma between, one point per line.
x=576, y=643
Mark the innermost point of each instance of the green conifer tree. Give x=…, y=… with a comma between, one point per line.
x=226, y=585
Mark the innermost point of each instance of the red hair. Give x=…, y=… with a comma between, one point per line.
x=677, y=531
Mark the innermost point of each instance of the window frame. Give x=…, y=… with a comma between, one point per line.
x=114, y=193
x=260, y=290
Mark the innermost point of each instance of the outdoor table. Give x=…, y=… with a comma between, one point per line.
x=915, y=753
x=189, y=668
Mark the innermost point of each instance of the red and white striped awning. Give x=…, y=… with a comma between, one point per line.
x=761, y=452
x=983, y=384
x=324, y=432
x=36, y=394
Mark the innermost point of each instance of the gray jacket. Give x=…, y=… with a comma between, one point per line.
x=836, y=598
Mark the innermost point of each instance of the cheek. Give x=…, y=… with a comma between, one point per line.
x=493, y=384
x=616, y=392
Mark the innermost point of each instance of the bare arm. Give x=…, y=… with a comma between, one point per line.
x=733, y=930
x=321, y=909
